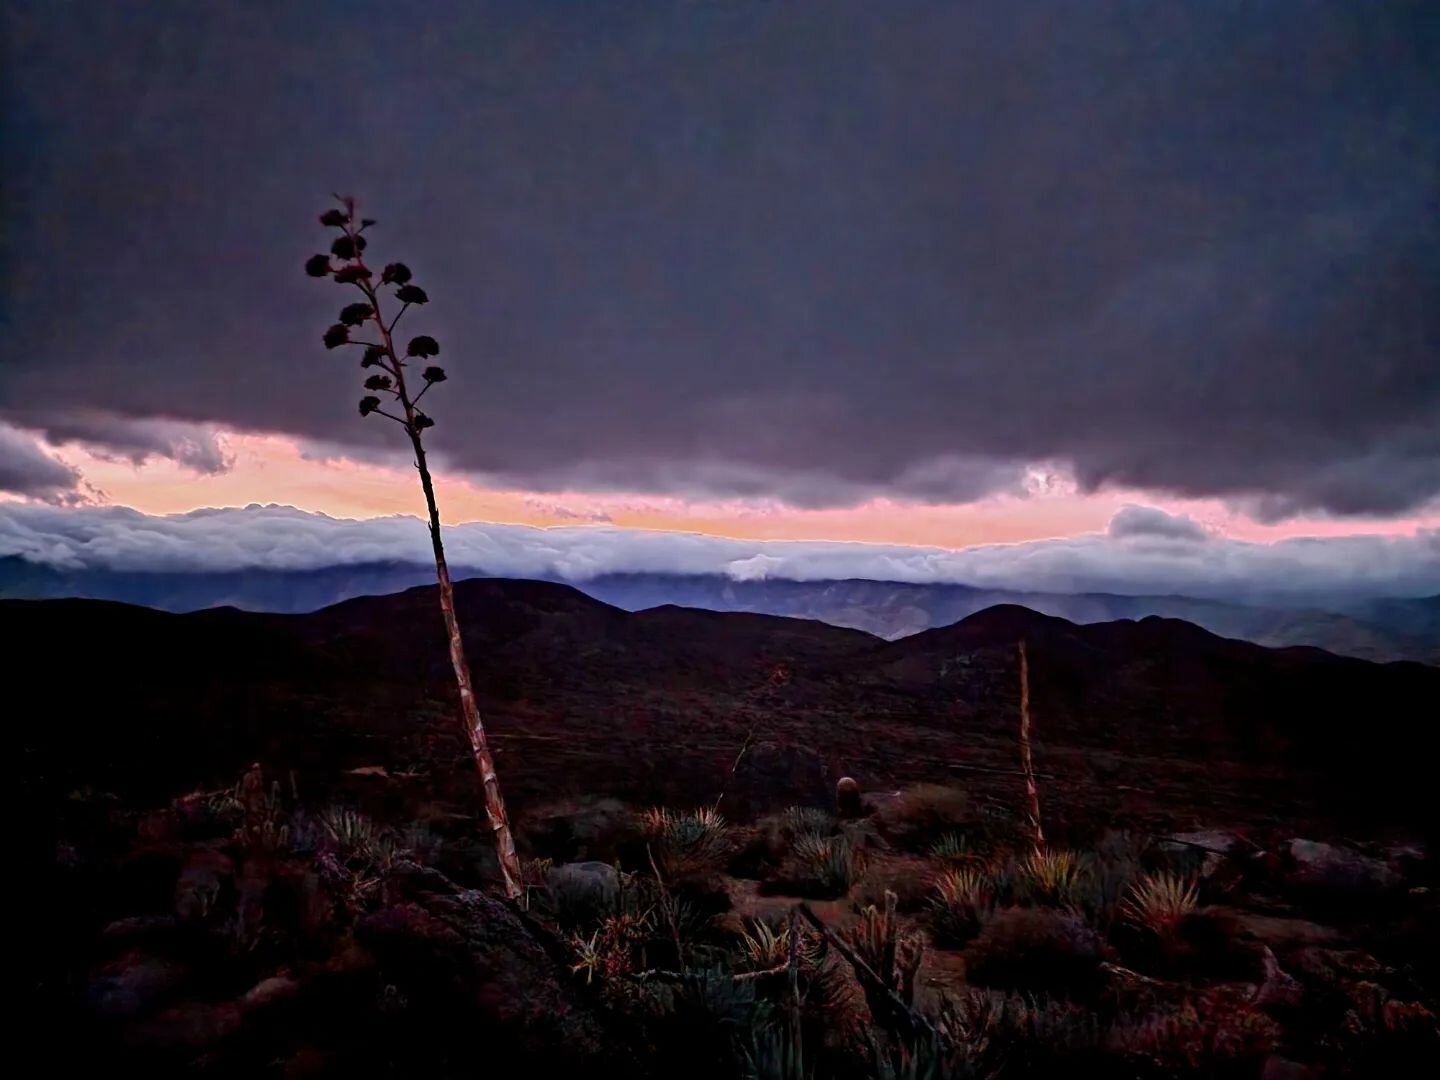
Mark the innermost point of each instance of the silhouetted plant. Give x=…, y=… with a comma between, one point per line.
x=346, y=265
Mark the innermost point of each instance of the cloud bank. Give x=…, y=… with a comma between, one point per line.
x=816, y=252
x=1145, y=551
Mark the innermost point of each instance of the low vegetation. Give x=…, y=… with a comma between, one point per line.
x=769, y=949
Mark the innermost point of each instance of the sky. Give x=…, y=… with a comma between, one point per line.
x=950, y=275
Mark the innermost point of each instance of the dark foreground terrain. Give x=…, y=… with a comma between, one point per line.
x=255, y=850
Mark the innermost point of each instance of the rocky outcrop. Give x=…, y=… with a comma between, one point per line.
x=1330, y=867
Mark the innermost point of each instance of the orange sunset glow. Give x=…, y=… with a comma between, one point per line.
x=276, y=469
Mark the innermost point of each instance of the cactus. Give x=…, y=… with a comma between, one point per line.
x=847, y=797
x=892, y=954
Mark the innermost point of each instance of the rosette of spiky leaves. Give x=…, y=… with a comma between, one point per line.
x=1159, y=902
x=827, y=865
x=1052, y=877
x=959, y=905
x=951, y=847
x=686, y=844
x=799, y=820
x=764, y=946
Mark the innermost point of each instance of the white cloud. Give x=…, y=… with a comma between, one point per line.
x=1121, y=561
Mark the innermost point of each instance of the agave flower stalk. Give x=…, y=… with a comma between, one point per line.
x=1032, y=793
x=346, y=266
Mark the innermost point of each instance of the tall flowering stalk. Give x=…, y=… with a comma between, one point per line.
x=346, y=265
x=1032, y=794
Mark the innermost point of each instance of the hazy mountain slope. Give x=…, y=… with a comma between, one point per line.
x=895, y=609
x=1377, y=630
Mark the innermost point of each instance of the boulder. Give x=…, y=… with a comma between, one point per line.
x=1210, y=849
x=1279, y=991
x=1316, y=865
x=582, y=889
x=133, y=983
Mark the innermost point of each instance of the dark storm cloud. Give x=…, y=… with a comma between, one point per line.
x=136, y=441
x=25, y=469
x=818, y=251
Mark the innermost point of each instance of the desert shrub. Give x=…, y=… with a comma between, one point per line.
x=776, y=1051
x=986, y=1034
x=771, y=841
x=1036, y=950
x=920, y=815
x=615, y=948
x=763, y=945
x=958, y=906
x=1218, y=1034
x=208, y=815
x=1159, y=903
x=1046, y=1037
x=706, y=1023
x=819, y=866
x=351, y=831
x=891, y=953
x=911, y=880
x=686, y=844
x=1052, y=878
x=800, y=820
x=951, y=847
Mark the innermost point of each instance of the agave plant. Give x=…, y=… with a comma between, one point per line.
x=1159, y=902
x=959, y=905
x=765, y=946
x=800, y=820
x=950, y=848
x=399, y=380
x=351, y=831
x=688, y=843
x=830, y=862
x=1052, y=877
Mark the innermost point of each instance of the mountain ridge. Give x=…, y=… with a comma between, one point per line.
x=1380, y=629
x=585, y=697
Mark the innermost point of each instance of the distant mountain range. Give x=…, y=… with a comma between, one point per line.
x=582, y=697
x=1380, y=629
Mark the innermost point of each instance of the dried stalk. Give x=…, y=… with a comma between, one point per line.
x=1032, y=793
x=390, y=361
